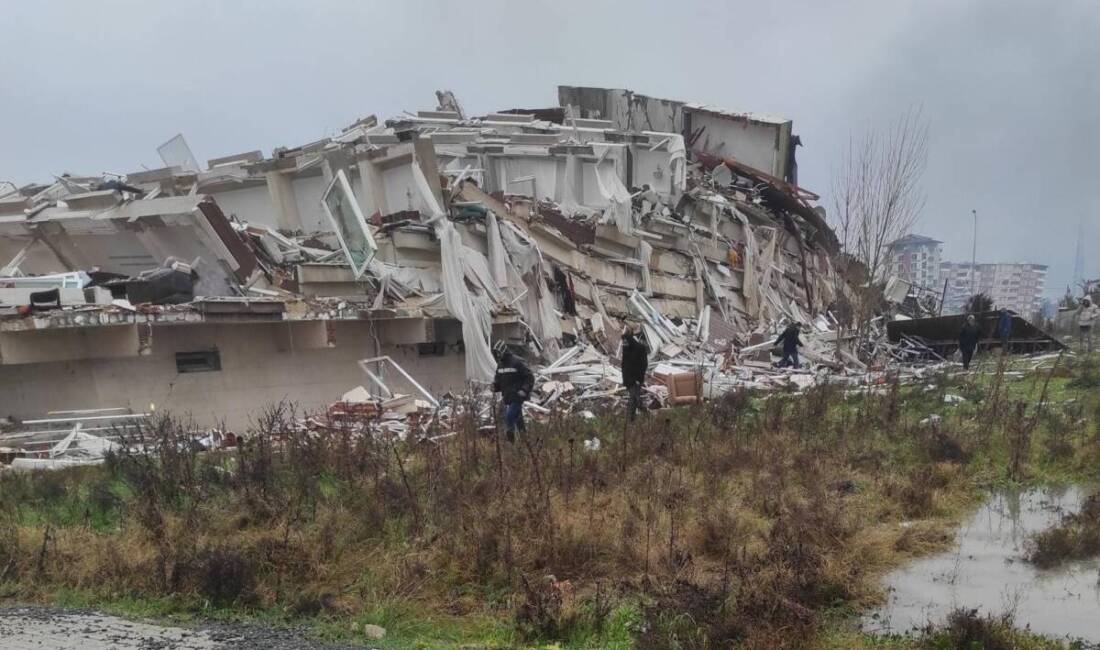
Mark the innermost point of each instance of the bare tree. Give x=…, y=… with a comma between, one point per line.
x=877, y=197
x=877, y=193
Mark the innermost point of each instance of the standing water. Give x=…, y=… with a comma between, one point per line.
x=986, y=571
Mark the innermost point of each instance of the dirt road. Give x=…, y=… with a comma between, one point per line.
x=45, y=628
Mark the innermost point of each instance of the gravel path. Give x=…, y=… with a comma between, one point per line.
x=48, y=628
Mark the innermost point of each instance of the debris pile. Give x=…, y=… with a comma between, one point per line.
x=429, y=236
x=66, y=439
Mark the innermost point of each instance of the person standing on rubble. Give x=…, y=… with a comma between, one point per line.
x=968, y=340
x=635, y=364
x=1087, y=313
x=514, y=381
x=790, y=342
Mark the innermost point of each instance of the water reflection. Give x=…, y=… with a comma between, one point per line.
x=986, y=571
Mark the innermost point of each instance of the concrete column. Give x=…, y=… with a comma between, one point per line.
x=54, y=237
x=281, y=190
x=373, y=195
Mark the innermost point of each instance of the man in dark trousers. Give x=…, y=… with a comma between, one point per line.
x=635, y=364
x=790, y=342
x=968, y=340
x=514, y=381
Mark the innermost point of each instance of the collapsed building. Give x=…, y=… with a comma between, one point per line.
x=216, y=290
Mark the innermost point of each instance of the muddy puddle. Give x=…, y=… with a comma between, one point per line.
x=985, y=571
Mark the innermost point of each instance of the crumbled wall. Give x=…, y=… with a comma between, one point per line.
x=254, y=374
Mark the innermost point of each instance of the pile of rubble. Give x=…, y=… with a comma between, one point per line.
x=686, y=367
x=432, y=235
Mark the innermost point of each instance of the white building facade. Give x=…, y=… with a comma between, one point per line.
x=1018, y=287
x=916, y=259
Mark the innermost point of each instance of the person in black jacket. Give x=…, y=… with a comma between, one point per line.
x=790, y=342
x=968, y=340
x=635, y=364
x=514, y=381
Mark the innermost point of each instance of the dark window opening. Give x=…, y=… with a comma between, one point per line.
x=201, y=361
x=435, y=349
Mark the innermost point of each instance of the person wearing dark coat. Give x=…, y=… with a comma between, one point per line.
x=1004, y=329
x=969, y=336
x=635, y=364
x=514, y=381
x=790, y=342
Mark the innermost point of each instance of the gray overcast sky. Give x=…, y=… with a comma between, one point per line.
x=1010, y=88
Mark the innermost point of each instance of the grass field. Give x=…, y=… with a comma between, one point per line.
x=758, y=520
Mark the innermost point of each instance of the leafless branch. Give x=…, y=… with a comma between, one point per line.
x=877, y=192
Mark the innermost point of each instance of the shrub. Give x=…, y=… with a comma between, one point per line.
x=225, y=576
x=1076, y=537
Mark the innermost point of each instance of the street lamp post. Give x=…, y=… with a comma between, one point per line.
x=974, y=257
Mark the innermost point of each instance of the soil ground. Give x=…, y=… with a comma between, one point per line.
x=50, y=628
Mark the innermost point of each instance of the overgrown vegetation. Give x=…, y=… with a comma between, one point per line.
x=965, y=629
x=756, y=520
x=1076, y=537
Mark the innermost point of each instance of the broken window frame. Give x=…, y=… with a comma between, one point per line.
x=365, y=365
x=340, y=180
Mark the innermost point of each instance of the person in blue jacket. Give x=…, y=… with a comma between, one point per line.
x=1004, y=329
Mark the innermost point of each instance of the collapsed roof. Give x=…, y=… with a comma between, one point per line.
x=555, y=220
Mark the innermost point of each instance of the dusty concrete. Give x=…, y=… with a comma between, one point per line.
x=44, y=628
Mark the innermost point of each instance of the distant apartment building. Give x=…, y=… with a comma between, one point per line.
x=1018, y=287
x=916, y=258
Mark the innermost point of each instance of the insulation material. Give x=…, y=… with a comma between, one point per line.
x=715, y=213
x=612, y=333
x=523, y=252
x=422, y=280
x=677, y=161
x=76, y=448
x=82, y=445
x=476, y=269
x=548, y=323
x=498, y=264
x=750, y=283
x=570, y=203
x=471, y=310
x=537, y=302
x=645, y=252
x=612, y=189
x=709, y=282
x=767, y=264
